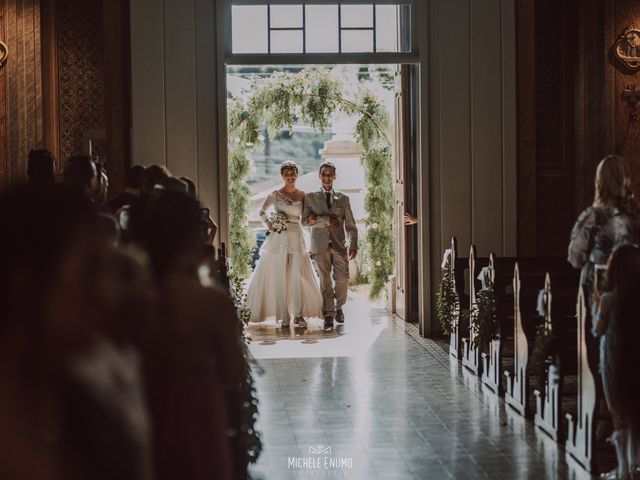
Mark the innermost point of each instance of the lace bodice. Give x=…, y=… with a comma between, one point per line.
x=279, y=202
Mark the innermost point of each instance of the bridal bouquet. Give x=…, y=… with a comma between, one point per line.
x=278, y=221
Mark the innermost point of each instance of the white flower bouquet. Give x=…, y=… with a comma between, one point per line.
x=278, y=221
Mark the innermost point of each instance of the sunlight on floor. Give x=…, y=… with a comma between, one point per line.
x=364, y=323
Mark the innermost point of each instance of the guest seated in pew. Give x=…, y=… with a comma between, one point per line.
x=191, y=186
x=193, y=354
x=40, y=168
x=616, y=323
x=81, y=174
x=149, y=178
x=131, y=191
x=612, y=220
x=173, y=184
x=152, y=176
x=209, y=224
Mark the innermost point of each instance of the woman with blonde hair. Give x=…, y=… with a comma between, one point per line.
x=612, y=220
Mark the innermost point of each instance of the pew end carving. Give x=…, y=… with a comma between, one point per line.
x=470, y=352
x=556, y=394
x=458, y=268
x=581, y=428
x=501, y=276
x=547, y=416
x=516, y=394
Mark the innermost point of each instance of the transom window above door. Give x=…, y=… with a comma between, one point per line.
x=310, y=27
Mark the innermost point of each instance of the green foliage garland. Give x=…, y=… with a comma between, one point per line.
x=543, y=350
x=446, y=301
x=485, y=321
x=240, y=237
x=248, y=440
x=279, y=101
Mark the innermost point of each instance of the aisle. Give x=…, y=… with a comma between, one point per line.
x=373, y=402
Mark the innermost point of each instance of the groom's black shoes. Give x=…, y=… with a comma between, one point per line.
x=340, y=316
x=328, y=322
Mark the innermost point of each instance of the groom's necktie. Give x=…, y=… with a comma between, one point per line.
x=327, y=196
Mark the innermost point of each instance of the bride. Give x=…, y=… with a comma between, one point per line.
x=284, y=283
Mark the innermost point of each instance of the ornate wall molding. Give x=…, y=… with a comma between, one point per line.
x=627, y=48
x=4, y=53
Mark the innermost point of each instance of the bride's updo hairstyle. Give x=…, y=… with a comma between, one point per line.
x=288, y=165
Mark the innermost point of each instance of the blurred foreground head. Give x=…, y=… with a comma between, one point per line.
x=40, y=168
x=48, y=251
x=81, y=174
x=152, y=175
x=169, y=228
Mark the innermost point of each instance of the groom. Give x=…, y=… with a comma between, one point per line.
x=329, y=214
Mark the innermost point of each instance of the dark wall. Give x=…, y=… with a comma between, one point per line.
x=627, y=130
x=547, y=58
x=570, y=112
x=20, y=88
x=555, y=61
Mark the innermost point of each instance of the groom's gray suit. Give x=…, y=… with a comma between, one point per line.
x=328, y=248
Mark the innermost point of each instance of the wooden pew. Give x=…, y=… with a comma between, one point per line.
x=501, y=275
x=559, y=319
x=516, y=388
x=458, y=266
x=470, y=353
x=581, y=427
x=547, y=416
x=529, y=275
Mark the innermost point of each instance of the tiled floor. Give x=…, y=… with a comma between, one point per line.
x=389, y=406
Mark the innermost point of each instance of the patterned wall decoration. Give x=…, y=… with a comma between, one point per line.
x=81, y=74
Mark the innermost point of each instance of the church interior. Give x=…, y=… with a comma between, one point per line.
x=459, y=304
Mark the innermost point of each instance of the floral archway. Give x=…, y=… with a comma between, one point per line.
x=279, y=101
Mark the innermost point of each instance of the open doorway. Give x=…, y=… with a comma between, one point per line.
x=375, y=173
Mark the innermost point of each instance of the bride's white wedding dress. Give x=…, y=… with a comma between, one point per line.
x=284, y=284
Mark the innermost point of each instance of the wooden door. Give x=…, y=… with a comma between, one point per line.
x=400, y=173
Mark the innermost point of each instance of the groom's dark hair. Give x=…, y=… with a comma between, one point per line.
x=329, y=165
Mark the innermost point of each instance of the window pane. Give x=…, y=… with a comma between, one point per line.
x=357, y=16
x=249, y=29
x=404, y=27
x=322, y=28
x=357, y=40
x=286, y=16
x=386, y=28
x=286, y=41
